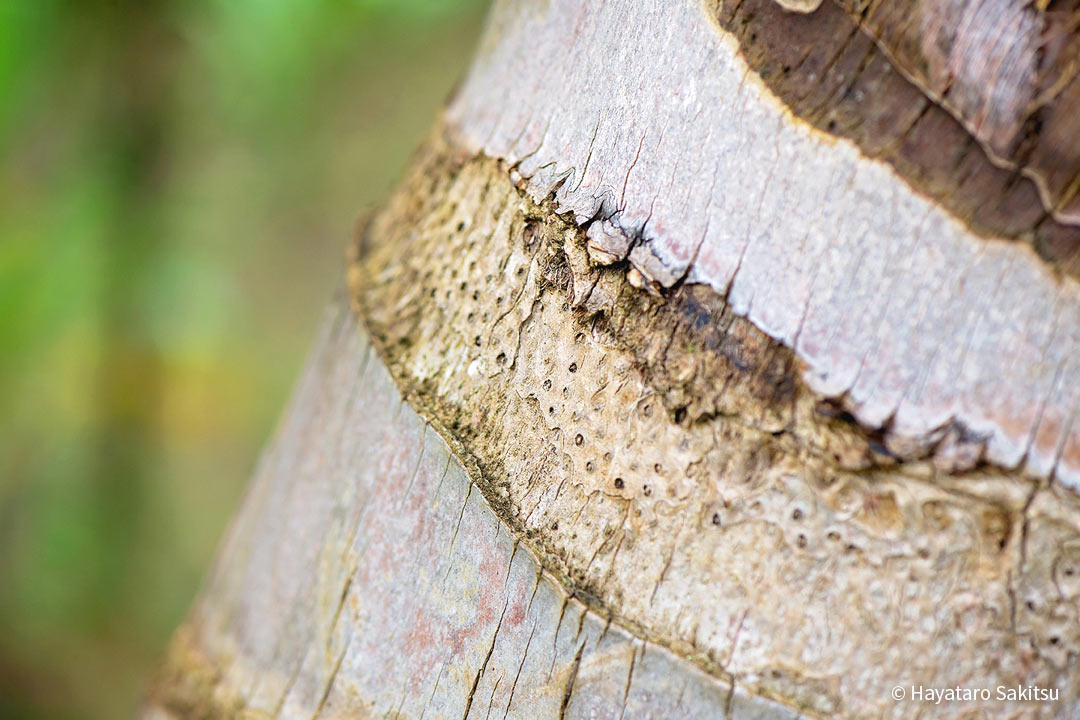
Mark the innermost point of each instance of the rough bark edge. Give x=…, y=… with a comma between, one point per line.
x=764, y=374
x=550, y=150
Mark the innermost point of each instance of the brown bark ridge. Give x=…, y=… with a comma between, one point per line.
x=657, y=397
x=1009, y=70
x=838, y=79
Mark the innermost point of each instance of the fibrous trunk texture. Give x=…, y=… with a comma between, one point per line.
x=675, y=382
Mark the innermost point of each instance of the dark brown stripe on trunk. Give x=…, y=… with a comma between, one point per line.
x=842, y=82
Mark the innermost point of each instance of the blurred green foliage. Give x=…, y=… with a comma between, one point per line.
x=178, y=181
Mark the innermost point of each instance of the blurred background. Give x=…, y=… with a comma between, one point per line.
x=178, y=181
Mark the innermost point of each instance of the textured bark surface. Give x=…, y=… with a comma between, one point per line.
x=1009, y=70
x=837, y=78
x=663, y=457
x=620, y=506
x=649, y=120
x=682, y=379
x=367, y=577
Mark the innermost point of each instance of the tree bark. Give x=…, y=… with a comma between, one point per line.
x=711, y=360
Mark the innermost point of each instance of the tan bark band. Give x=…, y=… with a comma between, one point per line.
x=742, y=526
x=651, y=122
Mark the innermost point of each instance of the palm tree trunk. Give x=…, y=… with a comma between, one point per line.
x=707, y=362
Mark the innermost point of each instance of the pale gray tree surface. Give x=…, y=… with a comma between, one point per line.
x=672, y=386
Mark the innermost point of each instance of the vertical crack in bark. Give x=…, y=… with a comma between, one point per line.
x=517, y=675
x=457, y=527
x=483, y=666
x=630, y=677
x=571, y=680
x=330, y=682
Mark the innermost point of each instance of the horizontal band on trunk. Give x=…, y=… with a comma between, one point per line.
x=661, y=457
x=653, y=128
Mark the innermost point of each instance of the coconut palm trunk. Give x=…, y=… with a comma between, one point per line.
x=712, y=360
